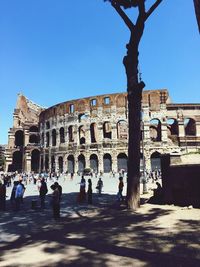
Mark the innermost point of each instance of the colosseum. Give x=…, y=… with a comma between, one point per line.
x=92, y=133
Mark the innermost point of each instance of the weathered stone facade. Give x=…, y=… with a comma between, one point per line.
x=93, y=132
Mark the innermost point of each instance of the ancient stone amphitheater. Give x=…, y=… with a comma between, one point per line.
x=92, y=133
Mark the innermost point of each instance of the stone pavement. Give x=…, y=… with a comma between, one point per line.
x=102, y=234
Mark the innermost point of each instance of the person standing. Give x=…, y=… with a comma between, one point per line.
x=89, y=192
x=43, y=191
x=55, y=201
x=120, y=189
x=99, y=186
x=19, y=195
x=2, y=196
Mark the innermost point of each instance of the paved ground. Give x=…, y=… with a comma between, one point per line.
x=102, y=234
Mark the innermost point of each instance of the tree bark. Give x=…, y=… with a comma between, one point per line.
x=134, y=88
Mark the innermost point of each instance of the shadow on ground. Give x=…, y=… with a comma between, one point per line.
x=102, y=234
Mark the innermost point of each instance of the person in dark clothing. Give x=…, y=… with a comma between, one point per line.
x=89, y=192
x=43, y=192
x=55, y=201
x=2, y=196
x=59, y=188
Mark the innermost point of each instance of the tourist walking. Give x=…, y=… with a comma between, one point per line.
x=82, y=193
x=89, y=192
x=99, y=186
x=120, y=189
x=43, y=191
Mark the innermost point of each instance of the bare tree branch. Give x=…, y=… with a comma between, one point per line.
x=142, y=13
x=123, y=15
x=152, y=8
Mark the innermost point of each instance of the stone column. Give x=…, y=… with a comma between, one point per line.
x=11, y=140
x=164, y=136
x=114, y=131
x=114, y=162
x=87, y=134
x=100, y=159
x=181, y=128
x=26, y=137
x=27, y=162
x=198, y=128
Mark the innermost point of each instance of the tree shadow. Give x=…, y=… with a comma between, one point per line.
x=102, y=234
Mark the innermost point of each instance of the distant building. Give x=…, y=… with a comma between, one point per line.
x=92, y=133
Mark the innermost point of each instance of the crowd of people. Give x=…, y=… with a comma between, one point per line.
x=19, y=182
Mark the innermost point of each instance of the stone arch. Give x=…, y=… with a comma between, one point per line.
x=60, y=164
x=122, y=162
x=71, y=133
x=35, y=160
x=93, y=132
x=107, y=130
x=155, y=160
x=172, y=130
x=17, y=159
x=155, y=130
x=81, y=163
x=122, y=130
x=94, y=163
x=190, y=126
x=107, y=163
x=70, y=164
x=62, y=135
x=81, y=131
x=19, y=138
x=33, y=139
x=54, y=137
x=53, y=164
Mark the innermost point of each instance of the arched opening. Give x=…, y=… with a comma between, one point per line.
x=47, y=139
x=46, y=163
x=93, y=132
x=122, y=161
x=33, y=129
x=60, y=164
x=53, y=137
x=155, y=161
x=172, y=130
x=19, y=138
x=94, y=165
x=155, y=130
x=122, y=130
x=107, y=163
x=17, y=161
x=70, y=131
x=107, y=131
x=33, y=139
x=81, y=135
x=70, y=164
x=62, y=135
x=81, y=163
x=190, y=127
x=53, y=164
x=35, y=160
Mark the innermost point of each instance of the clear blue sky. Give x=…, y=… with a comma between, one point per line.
x=56, y=50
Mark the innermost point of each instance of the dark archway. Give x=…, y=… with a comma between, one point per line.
x=53, y=164
x=70, y=164
x=33, y=139
x=155, y=130
x=107, y=163
x=42, y=164
x=93, y=132
x=60, y=164
x=155, y=161
x=94, y=164
x=19, y=138
x=82, y=135
x=190, y=127
x=53, y=137
x=35, y=160
x=47, y=139
x=122, y=161
x=17, y=161
x=107, y=131
x=81, y=163
x=62, y=135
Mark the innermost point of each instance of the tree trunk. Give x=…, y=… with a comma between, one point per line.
x=134, y=89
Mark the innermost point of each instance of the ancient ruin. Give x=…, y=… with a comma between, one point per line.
x=93, y=133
